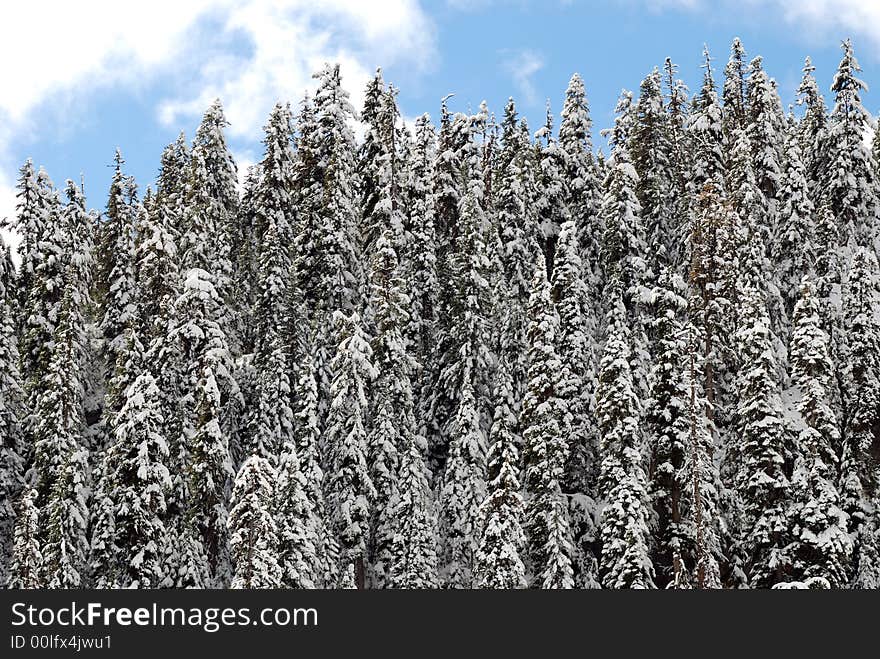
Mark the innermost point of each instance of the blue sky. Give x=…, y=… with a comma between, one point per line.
x=76, y=84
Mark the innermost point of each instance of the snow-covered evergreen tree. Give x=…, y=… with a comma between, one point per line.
x=734, y=92
x=546, y=447
x=795, y=242
x=414, y=557
x=66, y=547
x=253, y=537
x=820, y=544
x=350, y=489
x=583, y=189
x=763, y=483
x=858, y=481
x=463, y=490
x=498, y=563
x=625, y=561
x=651, y=153
x=12, y=411
x=203, y=446
x=298, y=530
x=850, y=180
x=26, y=564
x=136, y=479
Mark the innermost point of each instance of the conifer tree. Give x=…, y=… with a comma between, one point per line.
x=299, y=540
x=155, y=266
x=701, y=479
x=58, y=412
x=625, y=561
x=253, y=539
x=463, y=490
x=464, y=344
x=735, y=92
x=66, y=547
x=584, y=195
x=26, y=565
x=546, y=447
x=552, y=189
x=849, y=180
x=271, y=425
x=811, y=129
x=350, y=488
x=205, y=458
x=666, y=415
x=136, y=479
x=421, y=270
x=115, y=278
x=12, y=411
x=393, y=419
x=766, y=135
x=414, y=550
x=762, y=482
x=307, y=436
x=498, y=563
x=575, y=389
x=795, y=243
x=820, y=545
x=650, y=149
x=623, y=243
x=517, y=222
x=706, y=135
x=211, y=202
x=339, y=276
x=858, y=483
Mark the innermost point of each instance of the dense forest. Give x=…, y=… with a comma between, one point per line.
x=467, y=355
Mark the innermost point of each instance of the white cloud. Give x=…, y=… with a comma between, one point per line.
x=249, y=52
x=817, y=19
x=840, y=18
x=522, y=66
x=288, y=40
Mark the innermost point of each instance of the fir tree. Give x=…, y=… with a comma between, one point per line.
x=625, y=561
x=735, y=91
x=253, y=539
x=552, y=189
x=26, y=565
x=546, y=449
x=115, y=279
x=849, y=180
x=65, y=552
x=205, y=458
x=575, y=388
x=765, y=135
x=497, y=563
x=666, y=415
x=350, y=488
x=299, y=540
x=820, y=545
x=623, y=243
x=12, y=412
x=762, y=482
x=394, y=420
x=794, y=246
x=463, y=491
x=706, y=135
x=137, y=481
x=584, y=195
x=414, y=549
x=862, y=385
x=650, y=149
x=517, y=222
x=811, y=129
